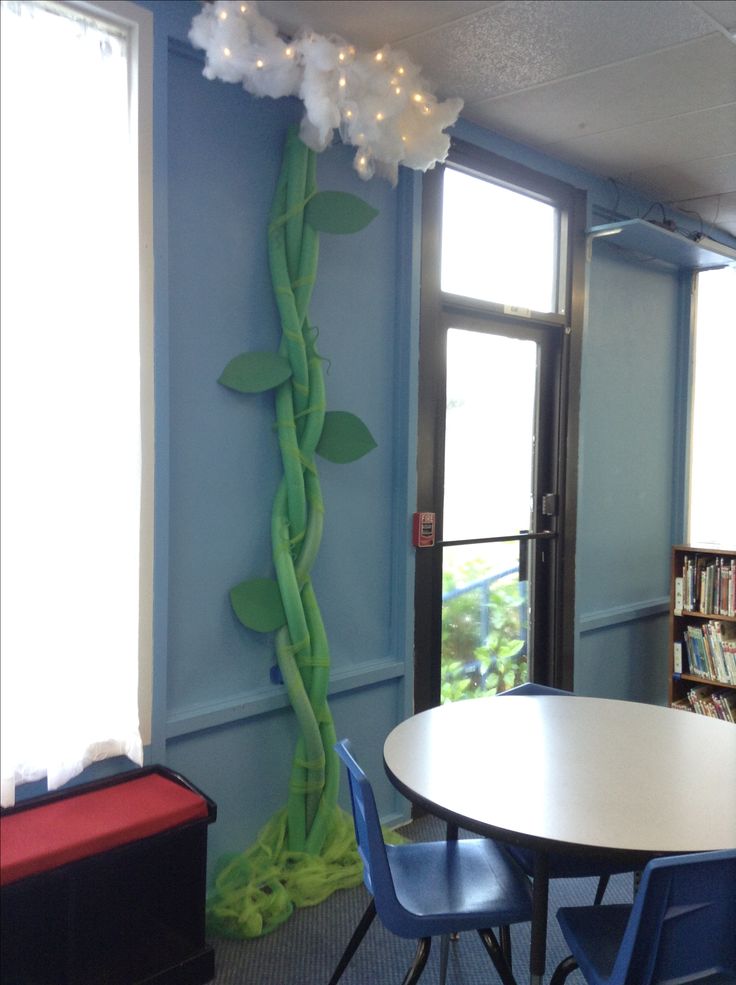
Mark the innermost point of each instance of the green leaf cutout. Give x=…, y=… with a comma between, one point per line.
x=257, y=604
x=254, y=372
x=338, y=212
x=344, y=438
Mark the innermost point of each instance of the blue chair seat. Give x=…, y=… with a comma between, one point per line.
x=435, y=888
x=454, y=883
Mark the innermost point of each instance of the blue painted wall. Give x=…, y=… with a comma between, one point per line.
x=217, y=718
x=628, y=489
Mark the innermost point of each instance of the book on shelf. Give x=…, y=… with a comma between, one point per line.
x=677, y=658
x=679, y=596
x=711, y=652
x=708, y=585
x=704, y=700
x=703, y=631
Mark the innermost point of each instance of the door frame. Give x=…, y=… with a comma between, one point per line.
x=556, y=667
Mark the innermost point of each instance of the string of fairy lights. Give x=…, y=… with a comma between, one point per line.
x=377, y=101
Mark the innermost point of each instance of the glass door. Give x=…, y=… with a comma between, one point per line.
x=494, y=352
x=489, y=466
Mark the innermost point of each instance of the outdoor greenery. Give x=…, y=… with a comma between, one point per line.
x=483, y=632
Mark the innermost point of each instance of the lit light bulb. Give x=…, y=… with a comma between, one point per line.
x=379, y=116
x=243, y=8
x=349, y=114
x=341, y=57
x=362, y=161
x=426, y=109
x=343, y=82
x=222, y=15
x=226, y=52
x=400, y=69
x=379, y=56
x=289, y=52
x=418, y=97
x=397, y=90
x=260, y=63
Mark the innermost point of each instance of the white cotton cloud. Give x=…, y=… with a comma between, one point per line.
x=377, y=101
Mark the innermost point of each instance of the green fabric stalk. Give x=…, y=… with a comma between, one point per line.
x=307, y=271
x=307, y=850
x=290, y=322
x=300, y=643
x=295, y=166
x=291, y=461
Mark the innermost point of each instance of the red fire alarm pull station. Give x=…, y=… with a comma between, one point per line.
x=423, y=530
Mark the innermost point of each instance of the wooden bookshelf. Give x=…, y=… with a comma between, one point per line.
x=702, y=661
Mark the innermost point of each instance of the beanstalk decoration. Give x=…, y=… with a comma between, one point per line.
x=287, y=605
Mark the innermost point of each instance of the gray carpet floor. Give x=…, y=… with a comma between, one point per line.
x=305, y=950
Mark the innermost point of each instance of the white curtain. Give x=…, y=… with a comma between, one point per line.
x=70, y=398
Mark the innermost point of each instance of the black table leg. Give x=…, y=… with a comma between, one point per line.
x=540, y=899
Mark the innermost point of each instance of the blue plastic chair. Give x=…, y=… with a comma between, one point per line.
x=562, y=866
x=680, y=929
x=427, y=889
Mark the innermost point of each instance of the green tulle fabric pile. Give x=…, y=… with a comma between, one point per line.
x=257, y=890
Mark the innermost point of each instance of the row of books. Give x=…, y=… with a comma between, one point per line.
x=707, y=584
x=706, y=701
x=711, y=652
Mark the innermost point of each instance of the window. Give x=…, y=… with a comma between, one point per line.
x=498, y=244
x=712, y=471
x=77, y=412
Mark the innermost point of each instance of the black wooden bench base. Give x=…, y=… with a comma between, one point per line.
x=130, y=915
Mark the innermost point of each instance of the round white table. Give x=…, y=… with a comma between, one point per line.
x=559, y=774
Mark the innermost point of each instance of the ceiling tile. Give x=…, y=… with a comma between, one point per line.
x=692, y=76
x=723, y=11
x=524, y=43
x=676, y=139
x=676, y=183
x=368, y=24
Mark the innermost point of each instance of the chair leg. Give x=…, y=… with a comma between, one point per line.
x=563, y=969
x=358, y=934
x=602, y=883
x=420, y=959
x=504, y=934
x=444, y=955
x=497, y=957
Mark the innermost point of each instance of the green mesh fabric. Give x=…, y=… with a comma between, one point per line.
x=258, y=889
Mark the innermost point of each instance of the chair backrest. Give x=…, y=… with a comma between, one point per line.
x=683, y=923
x=376, y=871
x=531, y=689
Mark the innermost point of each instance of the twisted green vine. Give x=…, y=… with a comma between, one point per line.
x=255, y=891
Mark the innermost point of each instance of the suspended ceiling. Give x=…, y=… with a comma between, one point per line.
x=641, y=91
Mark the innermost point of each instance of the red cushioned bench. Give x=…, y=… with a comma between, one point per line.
x=105, y=883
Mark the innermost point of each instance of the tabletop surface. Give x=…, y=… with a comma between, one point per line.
x=573, y=772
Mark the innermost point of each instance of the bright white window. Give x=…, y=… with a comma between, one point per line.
x=498, y=244
x=76, y=387
x=712, y=517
